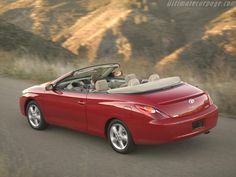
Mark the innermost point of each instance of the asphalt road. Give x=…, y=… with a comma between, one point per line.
x=61, y=152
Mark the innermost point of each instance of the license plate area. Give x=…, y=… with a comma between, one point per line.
x=198, y=124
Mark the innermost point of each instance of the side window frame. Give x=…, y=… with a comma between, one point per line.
x=72, y=78
x=61, y=81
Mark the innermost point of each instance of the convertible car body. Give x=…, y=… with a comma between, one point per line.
x=124, y=109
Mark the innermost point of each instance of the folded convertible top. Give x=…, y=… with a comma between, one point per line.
x=150, y=86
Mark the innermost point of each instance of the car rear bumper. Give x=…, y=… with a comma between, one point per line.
x=171, y=129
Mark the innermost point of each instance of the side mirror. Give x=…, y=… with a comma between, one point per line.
x=49, y=87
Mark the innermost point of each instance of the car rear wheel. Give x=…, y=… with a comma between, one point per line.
x=119, y=137
x=35, y=117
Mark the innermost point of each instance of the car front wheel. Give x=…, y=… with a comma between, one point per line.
x=35, y=117
x=119, y=137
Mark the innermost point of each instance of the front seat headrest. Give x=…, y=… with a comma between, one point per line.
x=101, y=85
x=153, y=77
x=133, y=82
x=129, y=77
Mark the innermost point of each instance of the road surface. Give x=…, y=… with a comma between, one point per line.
x=59, y=152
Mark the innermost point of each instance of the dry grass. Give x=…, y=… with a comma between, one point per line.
x=31, y=67
x=217, y=81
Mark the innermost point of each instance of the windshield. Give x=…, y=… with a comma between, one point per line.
x=101, y=71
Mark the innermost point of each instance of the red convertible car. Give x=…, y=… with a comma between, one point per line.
x=101, y=101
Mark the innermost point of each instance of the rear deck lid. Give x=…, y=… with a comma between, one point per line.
x=178, y=101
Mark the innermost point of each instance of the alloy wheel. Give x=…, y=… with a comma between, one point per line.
x=34, y=115
x=119, y=136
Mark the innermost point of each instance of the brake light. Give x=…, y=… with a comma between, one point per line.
x=150, y=110
x=147, y=109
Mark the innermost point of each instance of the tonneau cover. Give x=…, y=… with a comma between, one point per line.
x=150, y=86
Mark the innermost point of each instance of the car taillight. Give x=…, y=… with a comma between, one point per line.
x=150, y=110
x=146, y=109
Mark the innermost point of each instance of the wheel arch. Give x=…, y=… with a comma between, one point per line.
x=110, y=120
x=131, y=145
x=27, y=102
x=108, y=123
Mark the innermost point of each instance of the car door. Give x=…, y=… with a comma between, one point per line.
x=65, y=108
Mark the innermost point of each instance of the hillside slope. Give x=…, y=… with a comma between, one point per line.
x=209, y=61
x=14, y=39
x=215, y=47
x=122, y=29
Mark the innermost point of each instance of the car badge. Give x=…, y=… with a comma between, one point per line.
x=191, y=101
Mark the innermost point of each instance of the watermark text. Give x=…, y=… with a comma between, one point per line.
x=201, y=3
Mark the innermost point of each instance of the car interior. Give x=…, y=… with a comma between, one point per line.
x=100, y=80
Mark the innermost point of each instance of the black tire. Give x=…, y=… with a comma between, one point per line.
x=129, y=145
x=41, y=123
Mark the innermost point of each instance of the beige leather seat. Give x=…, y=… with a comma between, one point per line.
x=128, y=78
x=101, y=85
x=133, y=82
x=153, y=77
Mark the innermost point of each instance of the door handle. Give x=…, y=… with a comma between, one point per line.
x=81, y=102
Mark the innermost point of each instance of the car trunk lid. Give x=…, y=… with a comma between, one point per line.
x=179, y=101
